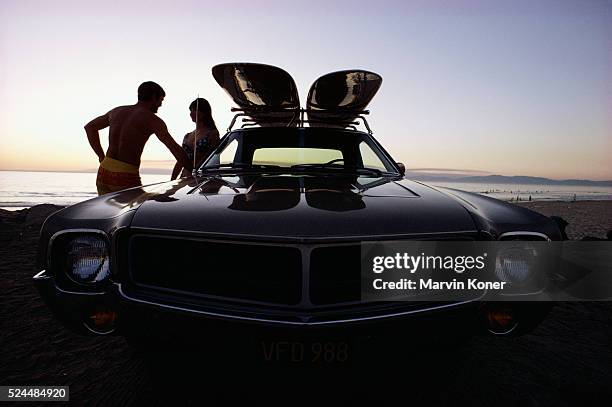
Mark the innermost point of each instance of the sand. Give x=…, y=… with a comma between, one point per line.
x=586, y=218
x=566, y=361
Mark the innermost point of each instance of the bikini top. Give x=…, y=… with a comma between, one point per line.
x=201, y=146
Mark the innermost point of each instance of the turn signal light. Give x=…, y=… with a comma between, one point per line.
x=102, y=321
x=500, y=320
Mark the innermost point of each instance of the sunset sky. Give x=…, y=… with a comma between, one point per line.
x=504, y=87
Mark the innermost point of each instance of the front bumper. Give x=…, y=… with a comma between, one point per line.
x=137, y=315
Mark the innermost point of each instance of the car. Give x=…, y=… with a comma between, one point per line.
x=265, y=236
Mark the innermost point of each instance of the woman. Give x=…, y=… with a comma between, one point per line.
x=205, y=137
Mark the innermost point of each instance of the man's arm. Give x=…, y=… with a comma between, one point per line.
x=176, y=171
x=177, y=167
x=92, y=129
x=161, y=131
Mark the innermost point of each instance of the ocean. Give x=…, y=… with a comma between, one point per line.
x=534, y=192
x=20, y=189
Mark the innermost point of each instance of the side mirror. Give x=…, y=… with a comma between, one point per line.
x=402, y=168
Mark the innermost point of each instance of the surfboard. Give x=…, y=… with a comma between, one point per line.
x=338, y=98
x=266, y=93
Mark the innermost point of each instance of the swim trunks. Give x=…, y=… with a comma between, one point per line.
x=115, y=175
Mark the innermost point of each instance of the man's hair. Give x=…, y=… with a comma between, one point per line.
x=149, y=91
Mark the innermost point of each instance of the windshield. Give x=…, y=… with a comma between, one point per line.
x=299, y=149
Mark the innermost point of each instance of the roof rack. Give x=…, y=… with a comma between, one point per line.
x=268, y=117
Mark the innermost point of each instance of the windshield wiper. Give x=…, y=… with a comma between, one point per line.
x=369, y=171
x=334, y=166
x=305, y=167
x=240, y=166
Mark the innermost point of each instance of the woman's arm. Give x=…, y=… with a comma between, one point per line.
x=214, y=138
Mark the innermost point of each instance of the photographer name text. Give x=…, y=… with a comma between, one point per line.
x=406, y=263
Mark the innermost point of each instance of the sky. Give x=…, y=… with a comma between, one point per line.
x=502, y=87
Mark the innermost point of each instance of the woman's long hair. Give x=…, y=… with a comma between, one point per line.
x=204, y=112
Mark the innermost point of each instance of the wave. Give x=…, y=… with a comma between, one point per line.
x=23, y=204
x=45, y=194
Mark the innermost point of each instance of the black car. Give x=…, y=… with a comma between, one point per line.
x=265, y=236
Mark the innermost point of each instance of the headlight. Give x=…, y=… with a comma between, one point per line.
x=87, y=259
x=515, y=264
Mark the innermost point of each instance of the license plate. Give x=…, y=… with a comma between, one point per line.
x=305, y=352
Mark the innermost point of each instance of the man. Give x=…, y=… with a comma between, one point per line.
x=130, y=128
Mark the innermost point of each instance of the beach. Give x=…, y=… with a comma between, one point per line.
x=585, y=218
x=567, y=358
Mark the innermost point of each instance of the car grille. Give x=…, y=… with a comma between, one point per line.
x=239, y=271
x=335, y=274
x=323, y=277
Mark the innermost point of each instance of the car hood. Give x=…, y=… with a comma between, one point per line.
x=301, y=206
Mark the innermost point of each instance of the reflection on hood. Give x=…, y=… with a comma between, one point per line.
x=269, y=194
x=333, y=194
x=281, y=193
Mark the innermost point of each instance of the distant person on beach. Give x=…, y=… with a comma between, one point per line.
x=204, y=139
x=130, y=128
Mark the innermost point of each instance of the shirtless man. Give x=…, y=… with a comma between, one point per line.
x=130, y=128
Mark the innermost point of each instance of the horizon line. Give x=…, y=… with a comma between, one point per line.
x=162, y=171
